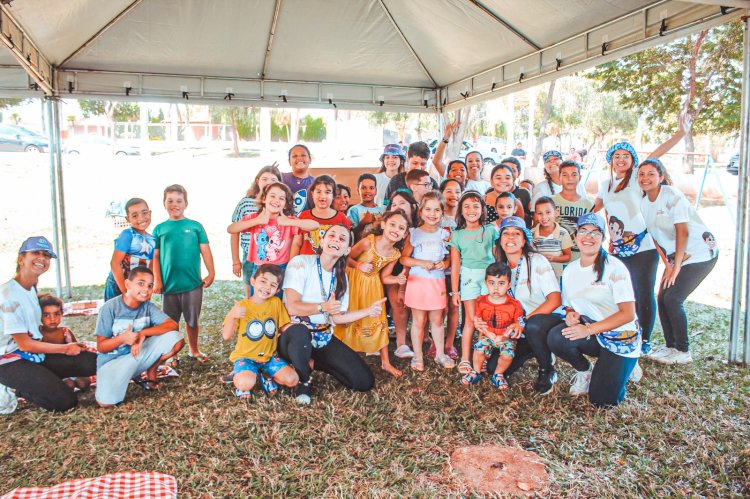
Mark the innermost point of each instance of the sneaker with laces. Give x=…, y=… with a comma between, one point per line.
x=661, y=353
x=404, y=352
x=646, y=348
x=545, y=381
x=304, y=392
x=677, y=357
x=580, y=383
x=636, y=374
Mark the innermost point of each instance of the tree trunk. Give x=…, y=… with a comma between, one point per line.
x=465, y=116
x=687, y=159
x=543, y=125
x=235, y=135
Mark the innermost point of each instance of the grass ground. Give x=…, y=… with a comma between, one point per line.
x=682, y=432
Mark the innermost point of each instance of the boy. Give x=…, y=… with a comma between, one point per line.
x=419, y=183
x=133, y=336
x=549, y=239
x=495, y=312
x=299, y=180
x=570, y=204
x=134, y=247
x=416, y=159
x=52, y=332
x=180, y=244
x=259, y=320
x=367, y=186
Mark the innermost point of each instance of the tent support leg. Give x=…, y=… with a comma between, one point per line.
x=53, y=194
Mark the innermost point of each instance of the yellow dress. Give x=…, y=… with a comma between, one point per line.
x=371, y=333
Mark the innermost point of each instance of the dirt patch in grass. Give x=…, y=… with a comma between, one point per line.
x=493, y=469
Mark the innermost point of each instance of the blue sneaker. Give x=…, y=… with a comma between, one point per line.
x=646, y=348
x=269, y=386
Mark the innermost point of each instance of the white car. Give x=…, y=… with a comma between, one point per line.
x=95, y=144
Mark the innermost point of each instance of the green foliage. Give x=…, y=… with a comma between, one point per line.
x=655, y=82
x=6, y=103
x=312, y=129
x=246, y=119
x=115, y=111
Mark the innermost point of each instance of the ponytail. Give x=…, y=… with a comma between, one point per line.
x=601, y=260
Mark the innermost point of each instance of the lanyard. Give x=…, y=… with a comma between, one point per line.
x=515, y=278
x=320, y=281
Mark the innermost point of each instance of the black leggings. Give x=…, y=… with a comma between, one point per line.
x=671, y=300
x=611, y=372
x=336, y=359
x=642, y=268
x=534, y=345
x=41, y=384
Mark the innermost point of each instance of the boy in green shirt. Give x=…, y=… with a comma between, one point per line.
x=180, y=244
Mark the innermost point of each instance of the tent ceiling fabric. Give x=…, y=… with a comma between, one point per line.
x=352, y=53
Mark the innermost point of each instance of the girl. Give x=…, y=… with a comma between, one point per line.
x=426, y=254
x=322, y=191
x=391, y=163
x=471, y=253
x=343, y=198
x=247, y=205
x=691, y=255
x=505, y=206
x=371, y=263
x=551, y=184
x=451, y=190
x=502, y=181
x=273, y=230
x=629, y=239
x=599, y=319
x=316, y=293
x=523, y=194
x=404, y=201
x=473, y=167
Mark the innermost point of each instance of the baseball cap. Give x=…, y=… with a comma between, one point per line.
x=393, y=150
x=37, y=243
x=592, y=219
x=518, y=223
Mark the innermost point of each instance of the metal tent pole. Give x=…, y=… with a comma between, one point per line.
x=53, y=193
x=55, y=130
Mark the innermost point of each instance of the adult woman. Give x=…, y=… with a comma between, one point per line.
x=534, y=284
x=317, y=297
x=391, y=164
x=32, y=368
x=629, y=239
x=691, y=253
x=599, y=319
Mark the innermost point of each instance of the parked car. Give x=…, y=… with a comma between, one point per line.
x=96, y=144
x=18, y=138
x=733, y=166
x=491, y=144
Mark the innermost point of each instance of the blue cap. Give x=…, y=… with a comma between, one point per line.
x=393, y=150
x=518, y=223
x=625, y=146
x=37, y=243
x=592, y=219
x=547, y=155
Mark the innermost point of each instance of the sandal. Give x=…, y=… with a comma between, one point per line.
x=452, y=352
x=403, y=352
x=445, y=362
x=147, y=384
x=200, y=357
x=464, y=367
x=417, y=365
x=499, y=381
x=243, y=394
x=471, y=378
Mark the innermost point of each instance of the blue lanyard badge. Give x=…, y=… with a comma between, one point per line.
x=321, y=338
x=515, y=277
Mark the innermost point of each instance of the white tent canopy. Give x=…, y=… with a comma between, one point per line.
x=416, y=55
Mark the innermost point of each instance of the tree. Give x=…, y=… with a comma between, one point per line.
x=691, y=85
x=543, y=124
x=244, y=122
x=112, y=110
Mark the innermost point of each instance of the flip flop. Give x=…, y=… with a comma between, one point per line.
x=417, y=365
x=148, y=384
x=200, y=357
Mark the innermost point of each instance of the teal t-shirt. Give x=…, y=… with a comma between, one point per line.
x=475, y=246
x=178, y=242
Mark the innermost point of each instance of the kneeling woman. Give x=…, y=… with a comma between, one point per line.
x=317, y=297
x=599, y=319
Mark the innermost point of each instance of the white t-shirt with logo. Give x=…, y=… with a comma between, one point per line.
x=302, y=276
x=542, y=189
x=543, y=282
x=19, y=313
x=670, y=208
x=626, y=226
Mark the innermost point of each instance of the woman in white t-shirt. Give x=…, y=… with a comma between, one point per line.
x=316, y=295
x=391, y=164
x=629, y=239
x=533, y=283
x=28, y=365
x=599, y=319
x=690, y=250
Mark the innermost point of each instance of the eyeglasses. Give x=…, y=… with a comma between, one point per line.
x=591, y=233
x=425, y=184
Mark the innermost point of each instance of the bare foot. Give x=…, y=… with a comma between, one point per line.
x=390, y=369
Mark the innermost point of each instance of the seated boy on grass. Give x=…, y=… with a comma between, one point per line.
x=133, y=336
x=258, y=321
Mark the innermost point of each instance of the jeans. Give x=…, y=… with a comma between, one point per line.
x=642, y=268
x=533, y=345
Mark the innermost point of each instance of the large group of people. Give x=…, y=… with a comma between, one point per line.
x=442, y=253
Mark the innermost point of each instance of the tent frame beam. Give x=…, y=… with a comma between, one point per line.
x=25, y=51
x=505, y=24
x=271, y=34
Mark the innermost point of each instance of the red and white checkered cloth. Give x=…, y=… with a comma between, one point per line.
x=131, y=485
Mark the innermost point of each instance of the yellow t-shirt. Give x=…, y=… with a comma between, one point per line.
x=257, y=332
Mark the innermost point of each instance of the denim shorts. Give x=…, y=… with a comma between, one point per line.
x=270, y=367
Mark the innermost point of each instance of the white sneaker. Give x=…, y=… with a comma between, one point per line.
x=677, y=357
x=404, y=352
x=636, y=374
x=661, y=353
x=372, y=354
x=303, y=399
x=580, y=384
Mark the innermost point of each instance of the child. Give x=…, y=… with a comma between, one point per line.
x=471, y=252
x=52, y=332
x=258, y=321
x=495, y=311
x=366, y=210
x=416, y=159
x=526, y=184
x=391, y=164
x=299, y=180
x=247, y=205
x=569, y=202
x=132, y=336
x=552, y=184
x=419, y=183
x=502, y=181
x=343, y=198
x=370, y=266
x=451, y=191
x=426, y=253
x=180, y=244
x=551, y=240
x=521, y=193
x=322, y=192
x=133, y=247
x=273, y=230
x=505, y=206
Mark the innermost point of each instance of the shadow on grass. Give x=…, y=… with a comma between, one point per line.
x=682, y=431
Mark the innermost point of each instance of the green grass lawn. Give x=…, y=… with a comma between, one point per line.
x=683, y=430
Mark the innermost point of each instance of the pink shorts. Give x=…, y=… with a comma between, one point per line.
x=425, y=294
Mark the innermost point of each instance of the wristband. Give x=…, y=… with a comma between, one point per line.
x=445, y=141
x=522, y=321
x=320, y=308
